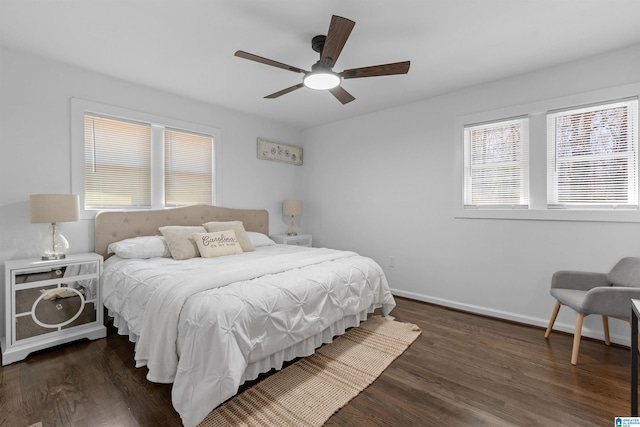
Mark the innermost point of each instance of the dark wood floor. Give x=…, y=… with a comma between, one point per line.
x=464, y=370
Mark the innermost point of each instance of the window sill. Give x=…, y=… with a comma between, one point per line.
x=627, y=215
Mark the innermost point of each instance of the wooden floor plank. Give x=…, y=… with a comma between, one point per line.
x=463, y=370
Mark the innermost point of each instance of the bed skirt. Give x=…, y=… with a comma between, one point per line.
x=275, y=361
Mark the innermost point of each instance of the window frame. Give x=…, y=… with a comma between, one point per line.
x=537, y=113
x=522, y=163
x=127, y=162
x=172, y=171
x=630, y=156
x=80, y=107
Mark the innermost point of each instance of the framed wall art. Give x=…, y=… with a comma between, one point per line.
x=270, y=150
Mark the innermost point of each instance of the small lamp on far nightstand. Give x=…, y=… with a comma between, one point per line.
x=292, y=208
x=54, y=208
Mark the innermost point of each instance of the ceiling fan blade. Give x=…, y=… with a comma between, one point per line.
x=260, y=59
x=341, y=94
x=339, y=31
x=284, y=91
x=377, y=70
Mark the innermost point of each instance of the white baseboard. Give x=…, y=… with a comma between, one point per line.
x=534, y=321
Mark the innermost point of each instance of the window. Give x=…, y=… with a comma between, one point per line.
x=496, y=164
x=188, y=168
x=117, y=162
x=124, y=159
x=593, y=156
x=572, y=158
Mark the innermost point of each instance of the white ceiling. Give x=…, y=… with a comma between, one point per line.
x=186, y=46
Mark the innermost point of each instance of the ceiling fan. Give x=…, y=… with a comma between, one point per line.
x=322, y=76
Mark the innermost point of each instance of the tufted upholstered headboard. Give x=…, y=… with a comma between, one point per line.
x=112, y=226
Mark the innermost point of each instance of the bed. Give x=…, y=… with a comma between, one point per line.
x=209, y=324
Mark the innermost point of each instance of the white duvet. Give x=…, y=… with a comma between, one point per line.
x=207, y=325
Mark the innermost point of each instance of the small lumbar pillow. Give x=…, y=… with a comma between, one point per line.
x=259, y=239
x=180, y=240
x=217, y=244
x=237, y=227
x=142, y=247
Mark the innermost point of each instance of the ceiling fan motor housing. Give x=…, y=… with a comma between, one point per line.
x=319, y=67
x=317, y=43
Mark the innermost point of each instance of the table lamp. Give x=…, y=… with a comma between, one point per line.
x=292, y=208
x=54, y=208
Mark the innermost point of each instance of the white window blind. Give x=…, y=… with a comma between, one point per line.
x=117, y=163
x=188, y=168
x=593, y=156
x=496, y=165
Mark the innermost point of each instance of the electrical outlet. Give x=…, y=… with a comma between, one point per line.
x=392, y=261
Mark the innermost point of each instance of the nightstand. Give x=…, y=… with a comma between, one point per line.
x=36, y=319
x=300, y=239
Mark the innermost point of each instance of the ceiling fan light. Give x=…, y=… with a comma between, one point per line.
x=321, y=80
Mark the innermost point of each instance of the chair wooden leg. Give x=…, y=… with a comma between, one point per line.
x=576, y=338
x=605, y=326
x=556, y=309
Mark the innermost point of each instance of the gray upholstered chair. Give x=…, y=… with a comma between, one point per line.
x=596, y=293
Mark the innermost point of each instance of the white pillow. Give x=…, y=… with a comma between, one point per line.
x=142, y=247
x=217, y=244
x=259, y=239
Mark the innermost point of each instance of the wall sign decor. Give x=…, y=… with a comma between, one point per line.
x=269, y=150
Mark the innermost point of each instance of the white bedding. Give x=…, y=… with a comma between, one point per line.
x=207, y=325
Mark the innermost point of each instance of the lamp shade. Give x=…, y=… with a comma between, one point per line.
x=54, y=208
x=292, y=207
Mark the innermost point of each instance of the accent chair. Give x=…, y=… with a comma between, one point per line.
x=587, y=293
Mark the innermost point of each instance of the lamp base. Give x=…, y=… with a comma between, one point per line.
x=293, y=229
x=52, y=257
x=54, y=245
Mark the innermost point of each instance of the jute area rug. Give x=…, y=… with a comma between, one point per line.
x=309, y=391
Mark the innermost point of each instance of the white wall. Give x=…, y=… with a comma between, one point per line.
x=387, y=190
x=380, y=184
x=35, y=147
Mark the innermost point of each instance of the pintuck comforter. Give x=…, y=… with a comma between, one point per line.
x=207, y=325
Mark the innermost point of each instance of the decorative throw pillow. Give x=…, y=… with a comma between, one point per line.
x=142, y=247
x=180, y=240
x=217, y=244
x=236, y=226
